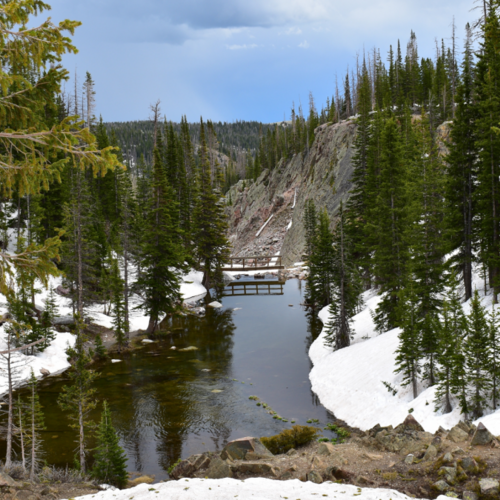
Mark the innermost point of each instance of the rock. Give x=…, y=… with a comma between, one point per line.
x=464, y=426
x=469, y=465
x=215, y=304
x=458, y=451
x=44, y=372
x=238, y=449
x=183, y=469
x=409, y=459
x=430, y=453
x=219, y=469
x=314, y=477
x=489, y=486
x=202, y=462
x=410, y=424
x=469, y=495
x=450, y=474
x=441, y=486
x=436, y=442
x=25, y=495
x=457, y=435
x=482, y=436
x=326, y=449
x=372, y=456
x=291, y=452
x=451, y=494
x=318, y=463
x=63, y=321
x=258, y=468
x=6, y=480
x=340, y=474
x=286, y=476
x=364, y=481
x=60, y=290
x=448, y=458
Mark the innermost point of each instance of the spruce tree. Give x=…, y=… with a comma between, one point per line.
x=476, y=356
x=109, y=458
x=120, y=323
x=494, y=356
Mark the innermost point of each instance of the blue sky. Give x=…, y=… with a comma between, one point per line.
x=238, y=59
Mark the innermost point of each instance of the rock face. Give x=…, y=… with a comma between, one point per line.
x=238, y=449
x=322, y=174
x=482, y=436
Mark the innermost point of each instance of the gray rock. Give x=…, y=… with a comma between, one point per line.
x=63, y=321
x=291, y=452
x=469, y=465
x=60, y=290
x=469, y=495
x=436, y=442
x=215, y=304
x=482, y=436
x=409, y=459
x=326, y=449
x=219, y=469
x=6, y=480
x=258, y=469
x=430, y=453
x=441, y=486
x=184, y=469
x=238, y=449
x=457, y=435
x=448, y=458
x=451, y=494
x=314, y=477
x=44, y=372
x=449, y=473
x=489, y=486
x=410, y=424
x=464, y=426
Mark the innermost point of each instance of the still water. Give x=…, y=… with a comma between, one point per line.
x=163, y=402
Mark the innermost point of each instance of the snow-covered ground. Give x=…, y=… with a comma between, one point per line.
x=255, y=489
x=350, y=382
x=54, y=358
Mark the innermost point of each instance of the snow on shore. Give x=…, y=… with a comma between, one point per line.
x=54, y=358
x=255, y=489
x=350, y=382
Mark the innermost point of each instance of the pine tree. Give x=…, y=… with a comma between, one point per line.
x=109, y=459
x=79, y=398
x=346, y=288
x=476, y=355
x=461, y=179
x=408, y=354
x=162, y=252
x=120, y=323
x=210, y=223
x=493, y=364
x=99, y=348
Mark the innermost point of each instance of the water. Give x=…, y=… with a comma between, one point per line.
x=162, y=401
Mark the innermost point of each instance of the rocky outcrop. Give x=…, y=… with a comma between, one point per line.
x=323, y=175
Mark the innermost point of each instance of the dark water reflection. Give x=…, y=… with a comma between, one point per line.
x=163, y=401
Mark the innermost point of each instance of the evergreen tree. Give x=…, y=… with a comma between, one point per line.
x=99, y=348
x=494, y=356
x=476, y=356
x=120, y=323
x=109, y=459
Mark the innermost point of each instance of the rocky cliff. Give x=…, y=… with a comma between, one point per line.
x=323, y=174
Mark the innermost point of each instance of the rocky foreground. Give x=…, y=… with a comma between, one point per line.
x=463, y=462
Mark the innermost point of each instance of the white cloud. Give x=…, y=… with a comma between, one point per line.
x=292, y=31
x=304, y=45
x=242, y=47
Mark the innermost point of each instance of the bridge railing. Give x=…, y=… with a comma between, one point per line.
x=259, y=263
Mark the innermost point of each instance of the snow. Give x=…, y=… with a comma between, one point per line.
x=255, y=489
x=350, y=382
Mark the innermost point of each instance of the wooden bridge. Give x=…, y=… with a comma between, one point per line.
x=238, y=288
x=265, y=263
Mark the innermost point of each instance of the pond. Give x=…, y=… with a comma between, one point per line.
x=168, y=404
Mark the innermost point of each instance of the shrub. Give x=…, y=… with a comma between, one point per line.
x=288, y=439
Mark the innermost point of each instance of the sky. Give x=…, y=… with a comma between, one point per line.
x=230, y=60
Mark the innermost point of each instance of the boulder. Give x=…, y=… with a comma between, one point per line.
x=430, y=453
x=6, y=480
x=449, y=473
x=44, y=372
x=457, y=434
x=464, y=426
x=469, y=465
x=315, y=477
x=448, y=458
x=326, y=449
x=60, y=290
x=63, y=321
x=469, y=495
x=215, y=305
x=489, y=487
x=410, y=424
x=441, y=486
x=258, y=469
x=238, y=449
x=482, y=436
x=219, y=469
x=409, y=459
x=184, y=469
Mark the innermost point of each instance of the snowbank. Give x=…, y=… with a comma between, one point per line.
x=255, y=489
x=350, y=382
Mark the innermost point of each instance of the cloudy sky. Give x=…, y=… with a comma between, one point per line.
x=238, y=59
